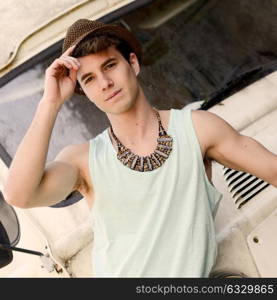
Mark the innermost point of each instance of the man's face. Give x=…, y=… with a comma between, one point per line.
x=108, y=80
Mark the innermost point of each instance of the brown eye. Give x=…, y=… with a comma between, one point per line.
x=109, y=66
x=89, y=79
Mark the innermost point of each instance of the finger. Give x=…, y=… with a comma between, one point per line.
x=68, y=51
x=73, y=75
x=75, y=60
x=59, y=68
x=61, y=62
x=64, y=61
x=75, y=63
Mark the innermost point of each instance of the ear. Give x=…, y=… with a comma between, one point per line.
x=134, y=63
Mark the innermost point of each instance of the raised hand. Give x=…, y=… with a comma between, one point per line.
x=60, y=78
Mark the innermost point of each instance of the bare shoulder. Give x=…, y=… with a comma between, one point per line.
x=203, y=116
x=209, y=120
x=73, y=153
x=213, y=125
x=211, y=129
x=204, y=123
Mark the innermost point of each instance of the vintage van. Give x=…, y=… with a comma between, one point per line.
x=57, y=241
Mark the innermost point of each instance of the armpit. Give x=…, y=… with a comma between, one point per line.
x=81, y=184
x=208, y=167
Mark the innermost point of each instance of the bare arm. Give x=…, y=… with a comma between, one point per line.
x=222, y=143
x=29, y=183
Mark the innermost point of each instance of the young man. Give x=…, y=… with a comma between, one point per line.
x=144, y=177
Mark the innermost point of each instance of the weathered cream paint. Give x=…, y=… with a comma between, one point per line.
x=46, y=31
x=20, y=18
x=262, y=242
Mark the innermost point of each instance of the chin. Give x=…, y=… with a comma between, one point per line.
x=119, y=108
x=121, y=105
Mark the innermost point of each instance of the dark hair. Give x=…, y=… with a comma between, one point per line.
x=95, y=43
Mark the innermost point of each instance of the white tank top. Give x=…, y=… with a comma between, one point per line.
x=157, y=223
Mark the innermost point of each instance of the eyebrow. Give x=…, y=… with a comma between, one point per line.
x=102, y=65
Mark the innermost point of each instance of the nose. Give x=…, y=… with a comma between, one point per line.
x=105, y=82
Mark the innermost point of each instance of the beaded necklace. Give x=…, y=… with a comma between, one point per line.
x=149, y=162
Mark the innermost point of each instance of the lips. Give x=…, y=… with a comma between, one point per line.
x=113, y=95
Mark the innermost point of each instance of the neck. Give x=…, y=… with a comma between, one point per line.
x=137, y=124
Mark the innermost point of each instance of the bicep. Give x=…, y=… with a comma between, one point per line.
x=244, y=153
x=231, y=149
x=60, y=178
